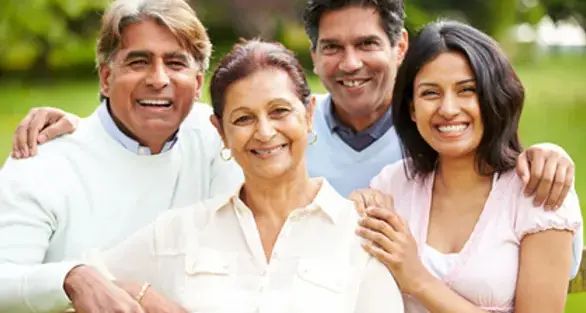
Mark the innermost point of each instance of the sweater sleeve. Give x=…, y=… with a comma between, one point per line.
x=27, y=223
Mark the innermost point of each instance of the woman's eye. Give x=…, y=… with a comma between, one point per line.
x=242, y=119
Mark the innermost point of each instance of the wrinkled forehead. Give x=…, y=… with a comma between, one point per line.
x=151, y=38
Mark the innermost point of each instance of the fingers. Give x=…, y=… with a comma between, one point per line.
x=380, y=254
x=536, y=170
x=56, y=129
x=364, y=198
x=19, y=139
x=546, y=182
x=569, y=180
x=37, y=123
x=388, y=217
x=557, y=186
x=377, y=238
x=523, y=167
x=359, y=201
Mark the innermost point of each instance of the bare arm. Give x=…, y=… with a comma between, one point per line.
x=543, y=284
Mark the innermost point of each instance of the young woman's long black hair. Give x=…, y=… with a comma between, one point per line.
x=500, y=96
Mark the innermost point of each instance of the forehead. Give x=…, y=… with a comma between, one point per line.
x=148, y=35
x=259, y=88
x=447, y=66
x=350, y=22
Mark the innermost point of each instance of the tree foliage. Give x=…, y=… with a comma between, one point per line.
x=49, y=35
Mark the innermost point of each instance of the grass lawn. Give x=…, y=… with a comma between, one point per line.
x=555, y=111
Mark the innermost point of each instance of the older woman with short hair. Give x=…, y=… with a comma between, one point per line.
x=282, y=242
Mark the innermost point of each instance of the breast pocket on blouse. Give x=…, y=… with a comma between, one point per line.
x=210, y=279
x=322, y=286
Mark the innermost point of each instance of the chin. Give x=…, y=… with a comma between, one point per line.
x=455, y=153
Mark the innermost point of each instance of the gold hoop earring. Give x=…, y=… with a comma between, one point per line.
x=223, y=154
x=314, y=139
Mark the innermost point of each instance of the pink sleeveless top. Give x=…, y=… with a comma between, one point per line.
x=485, y=270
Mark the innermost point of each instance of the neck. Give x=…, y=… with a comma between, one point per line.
x=274, y=199
x=360, y=122
x=459, y=175
x=155, y=144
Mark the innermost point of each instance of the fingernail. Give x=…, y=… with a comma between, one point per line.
x=548, y=207
x=42, y=138
x=16, y=154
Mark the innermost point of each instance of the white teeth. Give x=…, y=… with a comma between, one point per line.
x=452, y=128
x=352, y=83
x=152, y=102
x=265, y=152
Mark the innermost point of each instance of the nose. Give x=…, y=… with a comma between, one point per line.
x=265, y=130
x=450, y=107
x=157, y=76
x=351, y=62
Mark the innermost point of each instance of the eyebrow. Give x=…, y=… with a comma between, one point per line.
x=357, y=39
x=136, y=54
x=368, y=37
x=461, y=82
x=271, y=102
x=325, y=41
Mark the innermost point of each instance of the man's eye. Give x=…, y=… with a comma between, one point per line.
x=177, y=64
x=138, y=62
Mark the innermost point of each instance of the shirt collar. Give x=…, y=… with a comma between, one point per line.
x=376, y=130
x=127, y=142
x=327, y=200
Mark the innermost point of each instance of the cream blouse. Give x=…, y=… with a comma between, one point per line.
x=208, y=257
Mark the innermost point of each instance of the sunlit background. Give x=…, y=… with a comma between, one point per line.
x=47, y=57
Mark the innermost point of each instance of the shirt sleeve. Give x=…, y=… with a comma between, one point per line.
x=378, y=292
x=391, y=179
x=131, y=260
x=531, y=219
x=27, y=222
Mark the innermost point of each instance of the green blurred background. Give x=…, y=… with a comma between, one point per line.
x=47, y=53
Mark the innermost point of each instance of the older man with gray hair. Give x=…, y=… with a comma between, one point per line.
x=95, y=187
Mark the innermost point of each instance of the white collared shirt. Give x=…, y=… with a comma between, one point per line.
x=208, y=257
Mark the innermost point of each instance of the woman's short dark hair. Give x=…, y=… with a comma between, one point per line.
x=499, y=90
x=249, y=57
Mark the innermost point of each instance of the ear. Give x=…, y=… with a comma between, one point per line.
x=218, y=126
x=199, y=80
x=402, y=46
x=104, y=72
x=412, y=111
x=313, y=58
x=310, y=113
